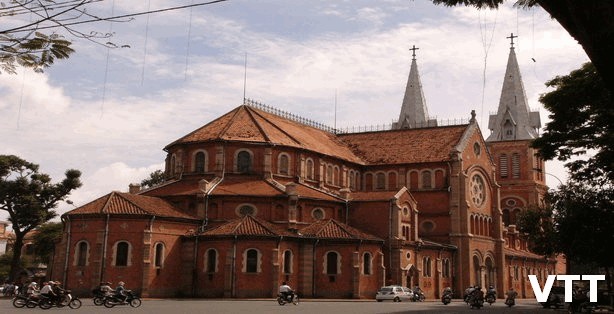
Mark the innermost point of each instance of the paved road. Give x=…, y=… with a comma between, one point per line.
x=270, y=306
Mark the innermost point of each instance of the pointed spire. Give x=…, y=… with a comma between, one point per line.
x=513, y=120
x=414, y=113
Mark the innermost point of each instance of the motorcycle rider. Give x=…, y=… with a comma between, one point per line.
x=32, y=288
x=105, y=288
x=47, y=291
x=447, y=291
x=511, y=296
x=285, y=290
x=417, y=293
x=491, y=290
x=476, y=297
x=468, y=293
x=120, y=292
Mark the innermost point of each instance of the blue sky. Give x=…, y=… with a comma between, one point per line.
x=109, y=113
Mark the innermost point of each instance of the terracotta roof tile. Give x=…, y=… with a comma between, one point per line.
x=405, y=146
x=246, y=185
x=332, y=229
x=247, y=226
x=130, y=204
x=373, y=196
x=246, y=123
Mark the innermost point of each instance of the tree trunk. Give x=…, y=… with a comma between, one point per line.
x=15, y=262
x=590, y=22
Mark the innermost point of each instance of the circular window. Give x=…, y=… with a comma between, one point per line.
x=408, y=255
x=428, y=226
x=478, y=193
x=476, y=149
x=510, y=202
x=317, y=213
x=405, y=211
x=245, y=210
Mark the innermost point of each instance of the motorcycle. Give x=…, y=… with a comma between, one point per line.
x=476, y=301
x=282, y=300
x=446, y=298
x=510, y=301
x=133, y=300
x=491, y=297
x=418, y=297
x=20, y=300
x=62, y=300
x=98, y=297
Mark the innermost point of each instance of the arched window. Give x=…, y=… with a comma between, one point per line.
x=426, y=266
x=366, y=264
x=336, y=175
x=82, y=253
x=329, y=174
x=445, y=265
x=426, y=180
x=380, y=181
x=506, y=217
x=287, y=262
x=159, y=257
x=508, y=130
x=244, y=162
x=199, y=162
x=283, y=164
x=211, y=261
x=122, y=254
x=309, y=169
x=252, y=257
x=332, y=260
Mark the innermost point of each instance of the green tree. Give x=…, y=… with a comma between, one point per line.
x=577, y=222
x=29, y=197
x=581, y=113
x=45, y=239
x=589, y=22
x=154, y=179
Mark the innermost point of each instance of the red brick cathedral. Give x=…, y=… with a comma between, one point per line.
x=259, y=196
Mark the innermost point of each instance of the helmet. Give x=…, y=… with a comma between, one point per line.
x=121, y=283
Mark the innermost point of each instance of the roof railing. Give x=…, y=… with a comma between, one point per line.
x=351, y=129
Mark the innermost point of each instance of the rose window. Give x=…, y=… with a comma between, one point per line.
x=478, y=195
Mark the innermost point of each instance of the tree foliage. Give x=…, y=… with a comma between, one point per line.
x=47, y=235
x=29, y=197
x=578, y=223
x=588, y=21
x=155, y=178
x=581, y=113
x=35, y=44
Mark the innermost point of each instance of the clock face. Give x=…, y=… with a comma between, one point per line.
x=478, y=194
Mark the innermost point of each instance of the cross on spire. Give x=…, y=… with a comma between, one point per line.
x=512, y=39
x=413, y=52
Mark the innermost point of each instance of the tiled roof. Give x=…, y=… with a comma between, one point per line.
x=332, y=229
x=249, y=124
x=405, y=146
x=247, y=226
x=246, y=185
x=511, y=252
x=130, y=204
x=373, y=196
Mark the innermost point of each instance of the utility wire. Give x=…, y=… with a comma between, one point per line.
x=111, y=18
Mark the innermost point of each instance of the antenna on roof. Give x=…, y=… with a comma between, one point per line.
x=245, y=77
x=335, y=124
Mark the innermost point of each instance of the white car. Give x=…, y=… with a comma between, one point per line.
x=394, y=293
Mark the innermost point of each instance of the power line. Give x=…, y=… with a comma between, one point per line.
x=111, y=18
